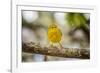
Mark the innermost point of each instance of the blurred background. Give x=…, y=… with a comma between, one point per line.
x=75, y=29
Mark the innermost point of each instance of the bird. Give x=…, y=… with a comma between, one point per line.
x=54, y=35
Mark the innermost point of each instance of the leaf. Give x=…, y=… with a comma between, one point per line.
x=77, y=20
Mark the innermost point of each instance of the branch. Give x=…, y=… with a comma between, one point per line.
x=55, y=51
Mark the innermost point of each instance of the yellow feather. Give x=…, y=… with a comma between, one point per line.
x=54, y=34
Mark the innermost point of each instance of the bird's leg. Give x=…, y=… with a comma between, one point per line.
x=60, y=45
x=51, y=44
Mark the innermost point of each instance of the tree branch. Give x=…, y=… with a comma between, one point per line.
x=55, y=51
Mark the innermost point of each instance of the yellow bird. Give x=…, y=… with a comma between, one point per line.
x=54, y=34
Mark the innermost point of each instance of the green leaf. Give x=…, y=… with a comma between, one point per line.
x=77, y=20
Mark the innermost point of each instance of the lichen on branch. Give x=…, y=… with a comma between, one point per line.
x=55, y=51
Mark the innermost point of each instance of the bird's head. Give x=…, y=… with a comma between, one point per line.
x=52, y=26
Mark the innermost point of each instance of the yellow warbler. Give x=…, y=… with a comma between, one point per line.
x=54, y=34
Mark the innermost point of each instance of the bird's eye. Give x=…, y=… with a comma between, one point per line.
x=54, y=27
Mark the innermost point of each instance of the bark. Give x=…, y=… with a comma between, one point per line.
x=55, y=51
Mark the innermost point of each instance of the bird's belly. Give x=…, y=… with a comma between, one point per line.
x=54, y=37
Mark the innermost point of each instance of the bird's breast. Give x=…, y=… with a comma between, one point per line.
x=54, y=35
